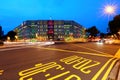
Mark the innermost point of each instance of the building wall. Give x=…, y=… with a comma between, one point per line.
x=49, y=29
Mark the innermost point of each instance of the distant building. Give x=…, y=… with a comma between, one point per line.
x=49, y=29
x=1, y=32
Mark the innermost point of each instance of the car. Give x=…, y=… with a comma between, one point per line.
x=1, y=43
x=109, y=41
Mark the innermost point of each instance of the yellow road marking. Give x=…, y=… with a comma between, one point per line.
x=73, y=76
x=57, y=76
x=117, y=55
x=77, y=52
x=38, y=69
x=109, y=69
x=47, y=75
x=93, y=50
x=100, y=71
x=80, y=63
x=1, y=72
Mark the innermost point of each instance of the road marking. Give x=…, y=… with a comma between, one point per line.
x=73, y=76
x=100, y=71
x=109, y=69
x=7, y=49
x=80, y=63
x=117, y=55
x=57, y=76
x=1, y=72
x=47, y=75
x=93, y=50
x=41, y=68
x=55, y=49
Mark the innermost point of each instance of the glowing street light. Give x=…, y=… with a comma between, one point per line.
x=110, y=9
x=16, y=37
x=8, y=38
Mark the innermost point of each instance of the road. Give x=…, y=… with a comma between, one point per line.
x=74, y=61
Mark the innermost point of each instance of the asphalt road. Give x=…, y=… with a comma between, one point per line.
x=74, y=61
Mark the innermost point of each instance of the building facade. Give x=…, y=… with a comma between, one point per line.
x=49, y=29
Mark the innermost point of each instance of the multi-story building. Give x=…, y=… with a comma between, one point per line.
x=49, y=29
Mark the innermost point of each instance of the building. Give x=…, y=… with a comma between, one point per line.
x=49, y=29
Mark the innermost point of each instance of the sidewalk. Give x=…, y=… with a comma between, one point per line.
x=115, y=72
x=116, y=42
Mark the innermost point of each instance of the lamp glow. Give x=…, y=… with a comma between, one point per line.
x=109, y=9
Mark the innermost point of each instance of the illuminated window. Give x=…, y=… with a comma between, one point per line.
x=45, y=26
x=50, y=31
x=41, y=26
x=41, y=29
x=38, y=23
x=55, y=32
x=50, y=26
x=55, y=26
x=55, y=29
x=46, y=30
x=60, y=30
x=59, y=26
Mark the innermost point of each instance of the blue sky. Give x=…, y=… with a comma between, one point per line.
x=86, y=12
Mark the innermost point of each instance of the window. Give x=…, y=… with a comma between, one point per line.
x=55, y=29
x=50, y=31
x=50, y=23
x=50, y=26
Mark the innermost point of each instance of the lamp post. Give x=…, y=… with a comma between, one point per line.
x=109, y=10
x=8, y=38
x=16, y=37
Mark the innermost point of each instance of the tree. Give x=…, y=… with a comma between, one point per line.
x=1, y=32
x=102, y=35
x=93, y=31
x=114, y=26
x=11, y=34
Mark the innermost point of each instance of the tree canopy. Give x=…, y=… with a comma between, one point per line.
x=11, y=34
x=114, y=25
x=93, y=31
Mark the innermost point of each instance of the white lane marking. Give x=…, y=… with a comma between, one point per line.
x=12, y=48
x=93, y=50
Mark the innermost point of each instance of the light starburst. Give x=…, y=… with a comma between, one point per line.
x=109, y=9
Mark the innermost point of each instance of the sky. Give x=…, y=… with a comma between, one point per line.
x=88, y=13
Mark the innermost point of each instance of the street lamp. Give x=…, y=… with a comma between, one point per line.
x=8, y=38
x=16, y=37
x=109, y=9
